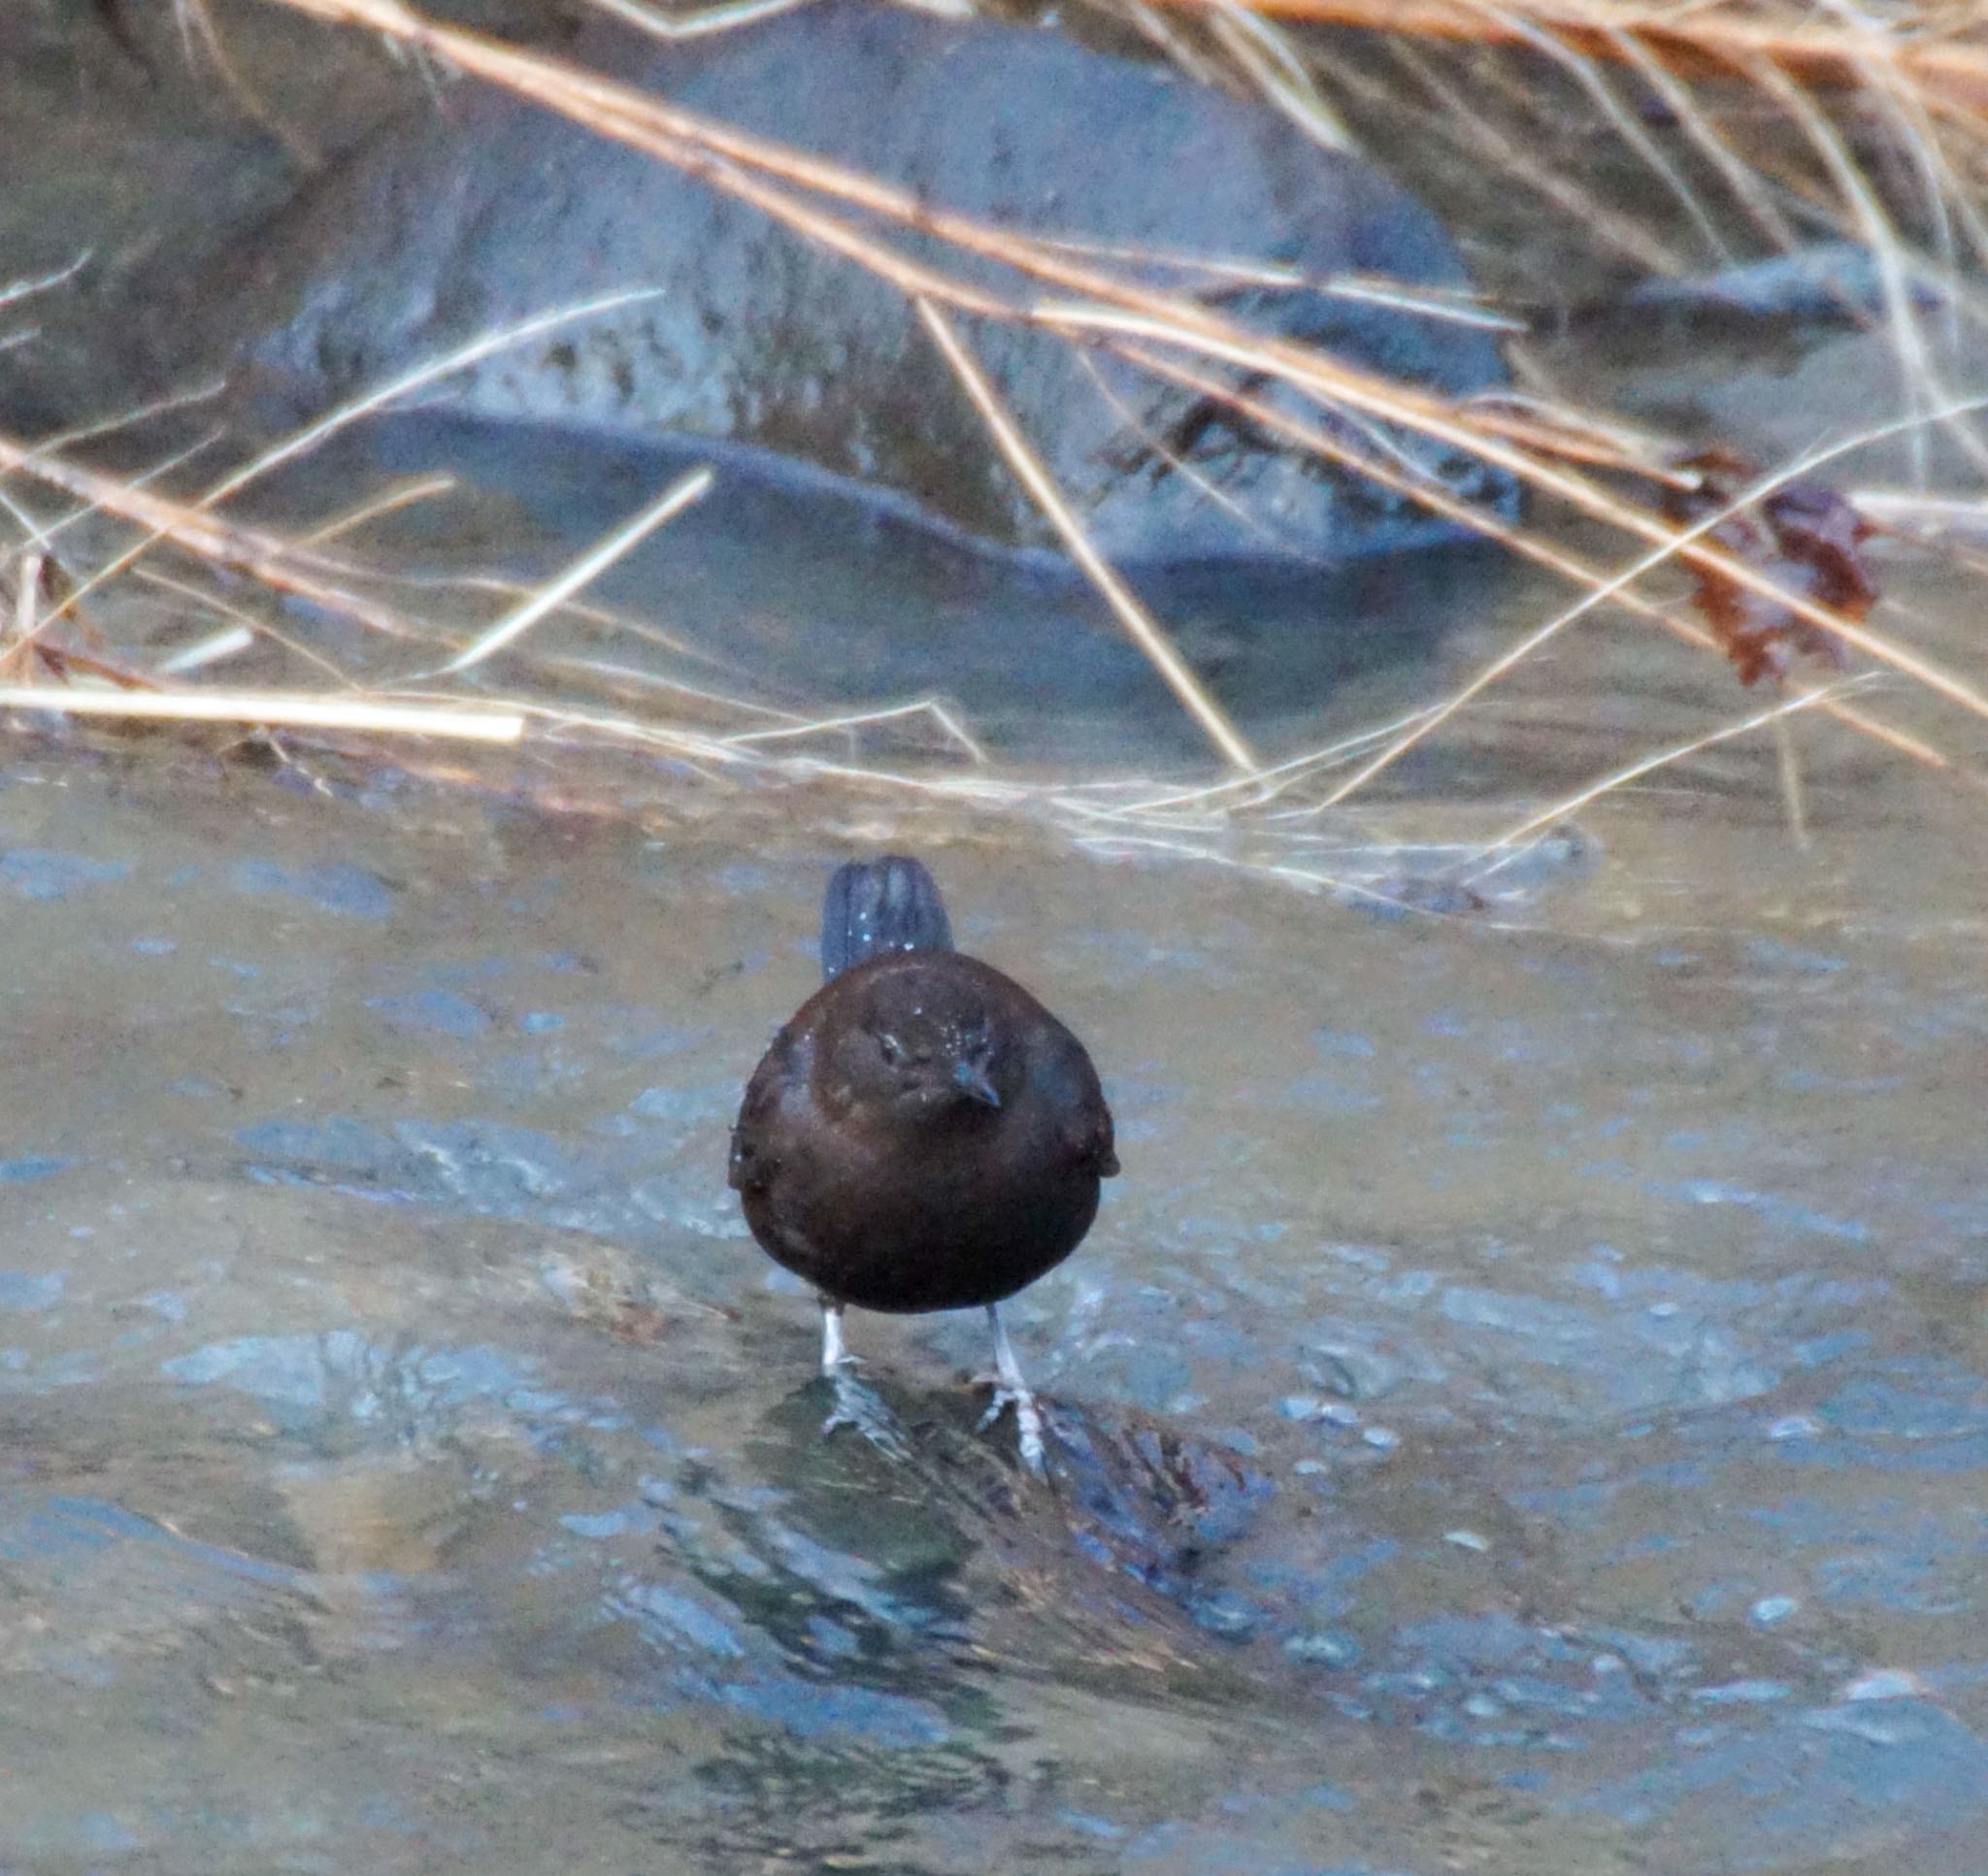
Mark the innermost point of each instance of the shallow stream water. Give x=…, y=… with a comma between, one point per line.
x=1524, y=1407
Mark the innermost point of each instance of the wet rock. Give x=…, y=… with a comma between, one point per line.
x=1159, y=1504
x=487, y=210
x=1826, y=279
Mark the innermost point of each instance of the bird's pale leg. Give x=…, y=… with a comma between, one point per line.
x=1011, y=1391
x=856, y=1405
x=835, y=1355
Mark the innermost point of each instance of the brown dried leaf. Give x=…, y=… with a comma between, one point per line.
x=1805, y=535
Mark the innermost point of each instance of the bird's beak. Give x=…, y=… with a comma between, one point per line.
x=970, y=1079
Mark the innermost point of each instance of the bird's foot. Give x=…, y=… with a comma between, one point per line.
x=858, y=1405
x=1028, y=1423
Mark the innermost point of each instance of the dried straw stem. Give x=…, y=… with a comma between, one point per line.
x=276, y=710
x=245, y=550
x=1693, y=41
x=1139, y=625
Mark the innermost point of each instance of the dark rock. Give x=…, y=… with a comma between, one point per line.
x=485, y=211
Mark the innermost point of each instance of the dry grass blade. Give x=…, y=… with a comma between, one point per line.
x=27, y=588
x=1794, y=788
x=1922, y=382
x=422, y=488
x=11, y=292
x=1692, y=41
x=1678, y=546
x=1139, y=624
x=276, y=710
x=307, y=439
x=1261, y=49
x=582, y=572
x=929, y=709
x=697, y=22
x=1931, y=518
x=428, y=372
x=181, y=399
x=209, y=651
x=1755, y=199
x=245, y=550
x=1572, y=804
x=245, y=631
x=1586, y=73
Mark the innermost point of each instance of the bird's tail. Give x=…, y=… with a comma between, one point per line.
x=876, y=905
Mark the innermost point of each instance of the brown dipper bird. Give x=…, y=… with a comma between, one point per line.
x=922, y=1135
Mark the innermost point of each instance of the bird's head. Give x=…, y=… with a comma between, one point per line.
x=919, y=1047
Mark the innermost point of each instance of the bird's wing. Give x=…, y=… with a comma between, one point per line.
x=751, y=1165
x=1097, y=1144
x=1086, y=1121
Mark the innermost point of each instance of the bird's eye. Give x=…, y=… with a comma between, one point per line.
x=891, y=1049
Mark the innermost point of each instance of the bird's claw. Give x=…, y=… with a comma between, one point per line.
x=857, y=1406
x=1028, y=1425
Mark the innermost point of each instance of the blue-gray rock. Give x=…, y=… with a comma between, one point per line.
x=487, y=209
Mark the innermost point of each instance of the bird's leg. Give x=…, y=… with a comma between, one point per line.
x=856, y=1405
x=835, y=1355
x=1011, y=1391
